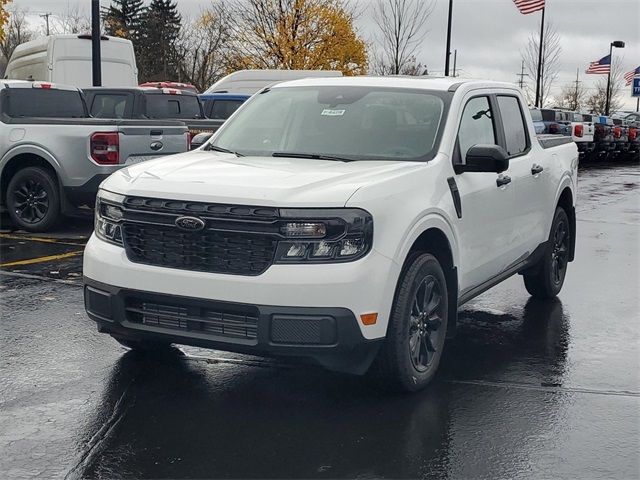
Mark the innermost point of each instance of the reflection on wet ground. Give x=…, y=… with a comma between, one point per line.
x=526, y=389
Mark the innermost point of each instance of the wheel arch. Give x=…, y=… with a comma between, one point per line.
x=434, y=240
x=30, y=156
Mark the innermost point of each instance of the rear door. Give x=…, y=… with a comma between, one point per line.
x=485, y=225
x=528, y=177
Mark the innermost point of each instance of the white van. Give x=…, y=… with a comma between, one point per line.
x=66, y=59
x=251, y=81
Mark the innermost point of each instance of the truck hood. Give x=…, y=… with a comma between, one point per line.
x=225, y=178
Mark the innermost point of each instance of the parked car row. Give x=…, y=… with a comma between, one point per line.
x=596, y=136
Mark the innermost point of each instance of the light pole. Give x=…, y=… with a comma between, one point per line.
x=448, y=52
x=96, y=61
x=617, y=44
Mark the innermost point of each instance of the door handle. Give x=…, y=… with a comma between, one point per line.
x=536, y=169
x=503, y=180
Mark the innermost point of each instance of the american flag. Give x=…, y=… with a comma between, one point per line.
x=628, y=77
x=601, y=66
x=529, y=6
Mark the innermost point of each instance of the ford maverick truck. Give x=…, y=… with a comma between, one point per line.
x=340, y=219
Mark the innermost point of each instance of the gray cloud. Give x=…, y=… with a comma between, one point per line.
x=489, y=34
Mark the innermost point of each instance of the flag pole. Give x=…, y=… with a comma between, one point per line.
x=539, y=74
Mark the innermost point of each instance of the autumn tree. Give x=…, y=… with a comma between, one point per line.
x=15, y=32
x=596, y=102
x=551, y=51
x=400, y=32
x=297, y=34
x=203, y=47
x=4, y=16
x=158, y=58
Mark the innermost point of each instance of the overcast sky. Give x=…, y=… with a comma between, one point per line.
x=488, y=34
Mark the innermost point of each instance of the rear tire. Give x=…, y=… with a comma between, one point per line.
x=546, y=278
x=33, y=199
x=411, y=353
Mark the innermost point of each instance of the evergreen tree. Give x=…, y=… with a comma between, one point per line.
x=161, y=29
x=123, y=18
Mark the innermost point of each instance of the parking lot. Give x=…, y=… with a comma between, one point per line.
x=526, y=389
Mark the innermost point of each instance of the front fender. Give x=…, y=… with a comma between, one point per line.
x=420, y=225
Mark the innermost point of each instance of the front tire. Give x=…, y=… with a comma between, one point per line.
x=546, y=278
x=33, y=199
x=415, y=338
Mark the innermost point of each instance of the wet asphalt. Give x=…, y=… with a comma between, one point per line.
x=527, y=389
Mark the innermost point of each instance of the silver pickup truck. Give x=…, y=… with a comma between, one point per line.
x=53, y=155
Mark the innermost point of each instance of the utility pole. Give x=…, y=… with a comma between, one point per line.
x=46, y=18
x=539, y=75
x=521, y=75
x=575, y=97
x=455, y=60
x=448, y=54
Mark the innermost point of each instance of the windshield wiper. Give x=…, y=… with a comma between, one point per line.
x=315, y=156
x=215, y=148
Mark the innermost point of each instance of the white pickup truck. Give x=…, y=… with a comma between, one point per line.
x=344, y=220
x=53, y=156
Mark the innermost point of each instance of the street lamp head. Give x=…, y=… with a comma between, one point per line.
x=618, y=44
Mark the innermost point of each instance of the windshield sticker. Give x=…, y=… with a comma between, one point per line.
x=332, y=113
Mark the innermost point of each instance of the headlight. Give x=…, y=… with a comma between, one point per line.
x=324, y=235
x=108, y=215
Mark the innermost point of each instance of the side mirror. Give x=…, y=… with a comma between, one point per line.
x=485, y=158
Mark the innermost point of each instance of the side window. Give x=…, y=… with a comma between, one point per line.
x=108, y=106
x=476, y=125
x=515, y=129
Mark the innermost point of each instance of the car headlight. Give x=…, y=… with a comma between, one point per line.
x=324, y=235
x=109, y=213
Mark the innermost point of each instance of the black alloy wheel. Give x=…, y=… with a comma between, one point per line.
x=425, y=323
x=33, y=199
x=30, y=200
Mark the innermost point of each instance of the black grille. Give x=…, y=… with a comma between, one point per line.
x=205, y=251
x=206, y=320
x=207, y=209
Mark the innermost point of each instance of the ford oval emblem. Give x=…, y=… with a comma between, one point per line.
x=191, y=224
x=156, y=146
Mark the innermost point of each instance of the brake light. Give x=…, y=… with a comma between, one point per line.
x=44, y=86
x=171, y=91
x=578, y=130
x=105, y=148
x=633, y=133
x=617, y=131
x=189, y=136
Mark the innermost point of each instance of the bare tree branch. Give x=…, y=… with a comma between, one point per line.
x=401, y=30
x=551, y=51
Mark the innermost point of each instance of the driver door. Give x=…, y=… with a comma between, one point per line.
x=486, y=226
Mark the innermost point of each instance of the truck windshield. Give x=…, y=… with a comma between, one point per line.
x=173, y=106
x=43, y=103
x=344, y=122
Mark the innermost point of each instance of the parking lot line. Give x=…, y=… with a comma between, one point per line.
x=38, y=239
x=47, y=258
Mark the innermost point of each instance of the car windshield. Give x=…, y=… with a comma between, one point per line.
x=343, y=122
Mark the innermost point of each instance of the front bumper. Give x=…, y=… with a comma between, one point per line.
x=343, y=292
x=329, y=336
